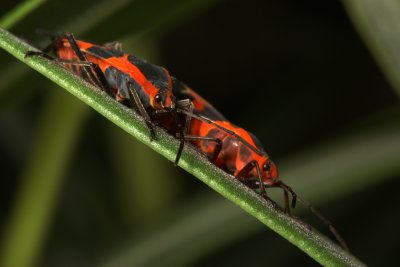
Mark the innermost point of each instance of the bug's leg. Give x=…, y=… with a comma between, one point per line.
x=102, y=82
x=332, y=229
x=248, y=168
x=188, y=112
x=58, y=60
x=55, y=38
x=43, y=52
x=39, y=54
x=133, y=94
x=179, y=129
x=93, y=72
x=252, y=184
x=183, y=130
x=287, y=207
x=288, y=189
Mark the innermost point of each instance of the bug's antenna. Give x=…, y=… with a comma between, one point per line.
x=332, y=229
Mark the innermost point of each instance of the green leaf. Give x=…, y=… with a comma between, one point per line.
x=378, y=23
x=312, y=243
x=15, y=74
x=37, y=196
x=19, y=12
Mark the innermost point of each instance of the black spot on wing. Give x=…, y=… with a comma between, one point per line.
x=155, y=74
x=244, y=153
x=121, y=81
x=180, y=90
x=230, y=148
x=213, y=133
x=110, y=75
x=104, y=53
x=211, y=113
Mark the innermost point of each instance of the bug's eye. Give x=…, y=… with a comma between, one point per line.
x=266, y=166
x=158, y=98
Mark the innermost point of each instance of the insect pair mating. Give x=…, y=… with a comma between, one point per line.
x=164, y=100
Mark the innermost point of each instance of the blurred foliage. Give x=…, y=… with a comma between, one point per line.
x=296, y=74
x=379, y=24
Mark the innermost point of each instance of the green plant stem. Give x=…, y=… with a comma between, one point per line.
x=19, y=12
x=312, y=243
x=99, y=12
x=211, y=223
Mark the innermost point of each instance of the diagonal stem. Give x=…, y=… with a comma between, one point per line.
x=312, y=243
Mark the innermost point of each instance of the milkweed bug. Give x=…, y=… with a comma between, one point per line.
x=127, y=78
x=235, y=150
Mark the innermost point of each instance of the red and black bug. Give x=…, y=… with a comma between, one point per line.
x=127, y=78
x=235, y=150
x=231, y=148
x=165, y=100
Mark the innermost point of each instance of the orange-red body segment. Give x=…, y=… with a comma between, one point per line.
x=122, y=64
x=239, y=147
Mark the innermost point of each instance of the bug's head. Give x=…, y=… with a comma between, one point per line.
x=163, y=99
x=269, y=173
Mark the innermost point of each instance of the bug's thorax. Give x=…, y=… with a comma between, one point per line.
x=153, y=83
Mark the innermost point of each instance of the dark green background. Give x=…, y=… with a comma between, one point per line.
x=295, y=73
